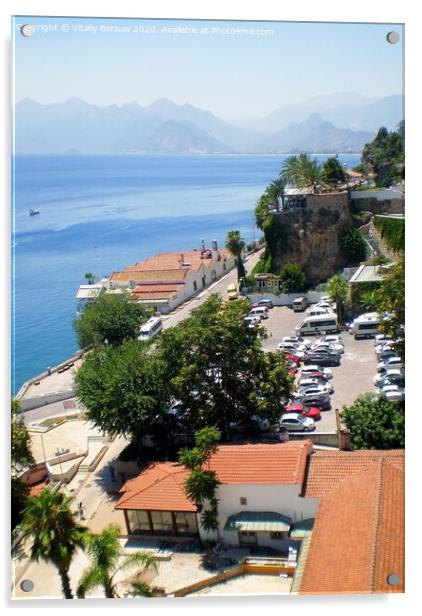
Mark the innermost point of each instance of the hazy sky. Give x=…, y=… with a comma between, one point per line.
x=233, y=74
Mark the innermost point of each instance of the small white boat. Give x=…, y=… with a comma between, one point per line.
x=33, y=212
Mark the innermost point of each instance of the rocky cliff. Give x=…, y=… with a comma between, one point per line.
x=312, y=235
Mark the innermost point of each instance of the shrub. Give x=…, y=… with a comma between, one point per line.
x=353, y=245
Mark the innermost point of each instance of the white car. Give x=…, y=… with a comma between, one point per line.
x=334, y=339
x=325, y=305
x=391, y=362
x=297, y=340
x=327, y=372
x=312, y=390
x=327, y=347
x=305, y=382
x=393, y=393
x=290, y=347
x=389, y=373
x=381, y=338
x=252, y=321
x=383, y=347
x=296, y=423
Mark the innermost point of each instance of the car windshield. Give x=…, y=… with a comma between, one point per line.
x=301, y=419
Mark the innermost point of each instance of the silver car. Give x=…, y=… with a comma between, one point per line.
x=296, y=423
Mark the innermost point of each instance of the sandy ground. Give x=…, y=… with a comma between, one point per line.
x=249, y=584
x=70, y=435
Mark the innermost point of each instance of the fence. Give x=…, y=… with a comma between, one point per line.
x=286, y=299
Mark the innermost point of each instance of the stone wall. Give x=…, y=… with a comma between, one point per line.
x=313, y=235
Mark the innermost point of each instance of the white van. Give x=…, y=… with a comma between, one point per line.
x=316, y=311
x=365, y=326
x=259, y=311
x=300, y=304
x=150, y=329
x=322, y=323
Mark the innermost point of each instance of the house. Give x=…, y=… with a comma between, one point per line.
x=260, y=496
x=166, y=280
x=357, y=542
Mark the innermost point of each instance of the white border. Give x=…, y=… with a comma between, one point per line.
x=386, y=11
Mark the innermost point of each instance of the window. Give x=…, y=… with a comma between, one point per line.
x=138, y=522
x=161, y=521
x=243, y=500
x=195, y=286
x=186, y=522
x=373, y=325
x=278, y=535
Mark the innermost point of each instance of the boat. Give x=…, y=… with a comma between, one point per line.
x=33, y=212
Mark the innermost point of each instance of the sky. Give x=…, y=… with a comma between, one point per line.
x=234, y=69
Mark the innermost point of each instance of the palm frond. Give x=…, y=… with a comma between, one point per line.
x=92, y=577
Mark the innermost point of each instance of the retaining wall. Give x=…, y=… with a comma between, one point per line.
x=286, y=299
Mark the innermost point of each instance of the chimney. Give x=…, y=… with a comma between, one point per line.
x=215, y=255
x=202, y=243
x=182, y=259
x=214, y=245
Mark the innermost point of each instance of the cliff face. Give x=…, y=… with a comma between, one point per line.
x=313, y=235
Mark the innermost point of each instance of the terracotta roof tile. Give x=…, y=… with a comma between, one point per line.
x=160, y=486
x=358, y=537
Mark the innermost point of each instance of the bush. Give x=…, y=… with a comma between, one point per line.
x=292, y=277
x=353, y=245
x=392, y=231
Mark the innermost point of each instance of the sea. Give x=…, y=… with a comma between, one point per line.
x=99, y=213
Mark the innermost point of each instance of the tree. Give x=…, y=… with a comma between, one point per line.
x=110, y=319
x=49, y=522
x=125, y=389
x=104, y=552
x=89, y=277
x=292, y=277
x=21, y=458
x=337, y=288
x=21, y=454
x=304, y=172
x=375, y=423
x=368, y=300
x=333, y=170
x=236, y=245
x=262, y=210
x=385, y=156
x=275, y=192
x=353, y=245
x=218, y=369
x=201, y=484
x=390, y=299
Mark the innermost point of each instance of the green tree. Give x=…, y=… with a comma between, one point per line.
x=89, y=277
x=104, y=552
x=262, y=210
x=375, y=423
x=337, y=288
x=110, y=319
x=304, y=172
x=353, y=245
x=236, y=245
x=125, y=390
x=292, y=277
x=390, y=298
x=202, y=483
x=218, y=368
x=21, y=454
x=333, y=170
x=368, y=300
x=385, y=156
x=21, y=458
x=275, y=192
x=49, y=522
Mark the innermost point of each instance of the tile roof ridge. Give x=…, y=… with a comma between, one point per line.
x=376, y=522
x=131, y=493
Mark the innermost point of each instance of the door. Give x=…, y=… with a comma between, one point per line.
x=247, y=537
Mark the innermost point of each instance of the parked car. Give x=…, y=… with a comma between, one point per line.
x=232, y=292
x=328, y=374
x=322, y=359
x=391, y=362
x=334, y=339
x=303, y=409
x=321, y=401
x=259, y=311
x=266, y=302
x=296, y=423
x=382, y=338
x=315, y=389
x=292, y=346
x=297, y=340
x=393, y=393
x=327, y=347
x=390, y=374
x=309, y=381
x=326, y=306
x=252, y=321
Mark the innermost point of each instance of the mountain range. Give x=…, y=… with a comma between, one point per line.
x=336, y=123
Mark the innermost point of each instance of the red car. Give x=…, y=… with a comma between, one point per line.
x=293, y=358
x=303, y=409
x=316, y=374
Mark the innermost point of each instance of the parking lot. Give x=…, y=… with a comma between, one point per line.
x=353, y=377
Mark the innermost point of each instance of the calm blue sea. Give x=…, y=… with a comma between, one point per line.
x=101, y=213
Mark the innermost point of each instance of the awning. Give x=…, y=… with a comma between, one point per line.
x=302, y=529
x=266, y=521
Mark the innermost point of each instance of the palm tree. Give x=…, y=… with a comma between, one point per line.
x=304, y=172
x=275, y=191
x=104, y=552
x=89, y=277
x=235, y=244
x=56, y=535
x=337, y=288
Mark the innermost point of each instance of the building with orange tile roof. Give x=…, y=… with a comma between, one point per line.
x=259, y=496
x=168, y=279
x=357, y=542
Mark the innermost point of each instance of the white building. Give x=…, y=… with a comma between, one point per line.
x=259, y=500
